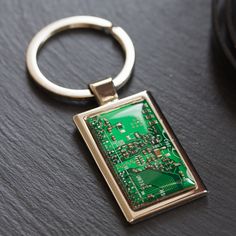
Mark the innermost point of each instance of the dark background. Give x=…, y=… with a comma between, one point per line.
x=49, y=183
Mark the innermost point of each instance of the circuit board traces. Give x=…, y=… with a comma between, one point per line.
x=140, y=154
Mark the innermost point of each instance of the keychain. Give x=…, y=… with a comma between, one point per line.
x=130, y=140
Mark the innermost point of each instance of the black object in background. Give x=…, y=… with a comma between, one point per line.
x=224, y=25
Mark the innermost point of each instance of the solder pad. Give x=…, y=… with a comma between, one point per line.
x=139, y=156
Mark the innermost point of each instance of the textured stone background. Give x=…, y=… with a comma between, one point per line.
x=49, y=183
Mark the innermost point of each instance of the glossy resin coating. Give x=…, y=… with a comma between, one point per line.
x=140, y=154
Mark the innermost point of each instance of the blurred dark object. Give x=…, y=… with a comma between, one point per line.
x=224, y=25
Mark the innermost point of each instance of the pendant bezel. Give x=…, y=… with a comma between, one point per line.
x=163, y=205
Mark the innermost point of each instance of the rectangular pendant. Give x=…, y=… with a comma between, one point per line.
x=139, y=156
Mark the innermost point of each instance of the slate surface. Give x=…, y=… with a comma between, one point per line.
x=49, y=183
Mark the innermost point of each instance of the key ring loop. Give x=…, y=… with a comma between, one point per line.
x=72, y=23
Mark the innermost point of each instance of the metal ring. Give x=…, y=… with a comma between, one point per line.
x=71, y=23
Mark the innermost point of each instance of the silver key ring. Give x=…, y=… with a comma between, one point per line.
x=72, y=23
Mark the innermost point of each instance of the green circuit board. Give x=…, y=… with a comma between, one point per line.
x=140, y=154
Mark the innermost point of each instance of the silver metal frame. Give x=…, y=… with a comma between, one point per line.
x=163, y=205
x=72, y=23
